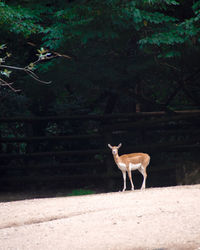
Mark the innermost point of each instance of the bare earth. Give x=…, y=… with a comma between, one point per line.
x=157, y=218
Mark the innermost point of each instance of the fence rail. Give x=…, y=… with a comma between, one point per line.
x=99, y=117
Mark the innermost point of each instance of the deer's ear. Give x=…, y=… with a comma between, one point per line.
x=109, y=146
x=119, y=145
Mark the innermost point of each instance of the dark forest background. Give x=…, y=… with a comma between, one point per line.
x=76, y=75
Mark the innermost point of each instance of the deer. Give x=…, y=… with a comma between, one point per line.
x=130, y=162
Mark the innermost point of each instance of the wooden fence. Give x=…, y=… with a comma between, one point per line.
x=72, y=152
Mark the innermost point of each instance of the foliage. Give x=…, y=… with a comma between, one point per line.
x=115, y=46
x=18, y=19
x=78, y=192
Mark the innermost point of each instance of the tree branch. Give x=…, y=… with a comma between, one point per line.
x=28, y=71
x=44, y=54
x=7, y=84
x=181, y=85
x=36, y=78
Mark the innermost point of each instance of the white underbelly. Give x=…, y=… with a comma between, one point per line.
x=132, y=166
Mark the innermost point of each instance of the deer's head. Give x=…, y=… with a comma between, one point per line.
x=114, y=148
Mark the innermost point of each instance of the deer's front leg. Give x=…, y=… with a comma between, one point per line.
x=124, y=177
x=130, y=178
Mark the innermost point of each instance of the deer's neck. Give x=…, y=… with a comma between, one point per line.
x=116, y=158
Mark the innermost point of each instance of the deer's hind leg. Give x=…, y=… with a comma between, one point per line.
x=142, y=170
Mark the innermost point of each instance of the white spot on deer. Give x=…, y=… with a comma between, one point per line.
x=122, y=166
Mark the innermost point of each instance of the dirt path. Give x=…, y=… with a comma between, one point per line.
x=158, y=218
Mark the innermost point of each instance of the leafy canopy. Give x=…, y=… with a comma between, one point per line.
x=114, y=43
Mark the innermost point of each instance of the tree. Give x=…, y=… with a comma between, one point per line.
x=121, y=50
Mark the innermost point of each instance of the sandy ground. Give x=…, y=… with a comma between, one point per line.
x=157, y=218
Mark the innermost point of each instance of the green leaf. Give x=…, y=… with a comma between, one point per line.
x=3, y=46
x=6, y=73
